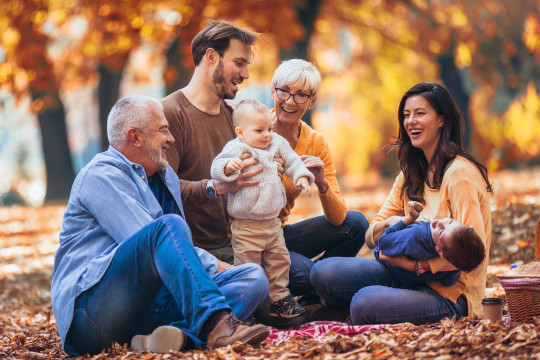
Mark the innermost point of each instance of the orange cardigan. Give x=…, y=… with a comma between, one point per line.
x=311, y=142
x=462, y=196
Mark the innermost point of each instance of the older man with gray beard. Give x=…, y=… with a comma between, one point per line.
x=127, y=267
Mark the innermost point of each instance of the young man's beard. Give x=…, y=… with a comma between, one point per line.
x=220, y=83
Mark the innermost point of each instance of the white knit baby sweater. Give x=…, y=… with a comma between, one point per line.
x=265, y=200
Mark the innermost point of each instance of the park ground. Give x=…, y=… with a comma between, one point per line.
x=29, y=239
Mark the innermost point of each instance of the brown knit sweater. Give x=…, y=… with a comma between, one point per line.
x=199, y=137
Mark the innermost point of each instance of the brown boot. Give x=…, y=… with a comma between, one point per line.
x=230, y=330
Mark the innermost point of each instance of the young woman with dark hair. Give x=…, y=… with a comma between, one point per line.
x=415, y=167
x=439, y=173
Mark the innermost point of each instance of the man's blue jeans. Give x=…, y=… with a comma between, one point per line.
x=156, y=278
x=307, y=239
x=375, y=296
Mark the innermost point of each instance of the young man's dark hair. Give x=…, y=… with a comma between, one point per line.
x=218, y=36
x=466, y=251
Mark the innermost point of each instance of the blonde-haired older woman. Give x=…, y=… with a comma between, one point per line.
x=338, y=232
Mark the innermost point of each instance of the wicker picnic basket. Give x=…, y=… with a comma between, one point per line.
x=522, y=287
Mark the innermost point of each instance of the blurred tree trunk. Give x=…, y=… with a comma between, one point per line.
x=58, y=166
x=31, y=54
x=176, y=75
x=452, y=78
x=108, y=93
x=308, y=11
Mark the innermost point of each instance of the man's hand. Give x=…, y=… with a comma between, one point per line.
x=280, y=168
x=221, y=265
x=316, y=166
x=303, y=183
x=233, y=165
x=223, y=187
x=400, y=261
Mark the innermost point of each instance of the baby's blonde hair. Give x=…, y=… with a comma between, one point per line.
x=247, y=105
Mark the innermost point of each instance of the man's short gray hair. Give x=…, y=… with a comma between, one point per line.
x=300, y=73
x=129, y=112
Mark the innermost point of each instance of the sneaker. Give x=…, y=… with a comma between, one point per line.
x=286, y=313
x=230, y=330
x=163, y=339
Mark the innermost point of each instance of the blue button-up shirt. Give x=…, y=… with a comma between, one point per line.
x=110, y=201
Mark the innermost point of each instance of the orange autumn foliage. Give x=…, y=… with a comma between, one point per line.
x=371, y=52
x=85, y=32
x=368, y=52
x=27, y=67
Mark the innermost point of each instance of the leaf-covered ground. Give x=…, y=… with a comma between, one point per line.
x=29, y=238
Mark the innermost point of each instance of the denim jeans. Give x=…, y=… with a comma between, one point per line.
x=309, y=238
x=156, y=278
x=375, y=296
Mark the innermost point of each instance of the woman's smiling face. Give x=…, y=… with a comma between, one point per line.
x=423, y=124
x=289, y=111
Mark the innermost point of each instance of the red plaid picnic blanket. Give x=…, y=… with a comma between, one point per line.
x=318, y=330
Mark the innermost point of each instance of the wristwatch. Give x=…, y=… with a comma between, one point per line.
x=210, y=189
x=419, y=270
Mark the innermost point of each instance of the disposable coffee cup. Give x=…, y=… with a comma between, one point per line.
x=492, y=309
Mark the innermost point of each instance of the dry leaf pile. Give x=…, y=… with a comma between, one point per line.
x=29, y=238
x=514, y=227
x=463, y=339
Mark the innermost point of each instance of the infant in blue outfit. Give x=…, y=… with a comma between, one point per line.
x=459, y=244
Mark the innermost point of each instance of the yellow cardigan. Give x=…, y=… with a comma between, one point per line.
x=462, y=196
x=311, y=142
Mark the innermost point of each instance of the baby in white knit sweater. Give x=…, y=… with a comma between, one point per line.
x=257, y=235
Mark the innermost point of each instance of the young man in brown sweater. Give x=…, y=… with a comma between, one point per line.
x=201, y=124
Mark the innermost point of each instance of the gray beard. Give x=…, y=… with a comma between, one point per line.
x=155, y=155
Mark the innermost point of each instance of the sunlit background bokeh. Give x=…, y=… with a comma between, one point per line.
x=67, y=61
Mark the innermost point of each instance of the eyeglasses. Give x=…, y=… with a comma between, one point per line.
x=284, y=95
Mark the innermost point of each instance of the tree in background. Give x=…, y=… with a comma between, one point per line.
x=115, y=29
x=276, y=20
x=369, y=52
x=484, y=51
x=307, y=12
x=27, y=70
x=488, y=44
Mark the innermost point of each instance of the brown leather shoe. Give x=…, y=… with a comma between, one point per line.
x=230, y=330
